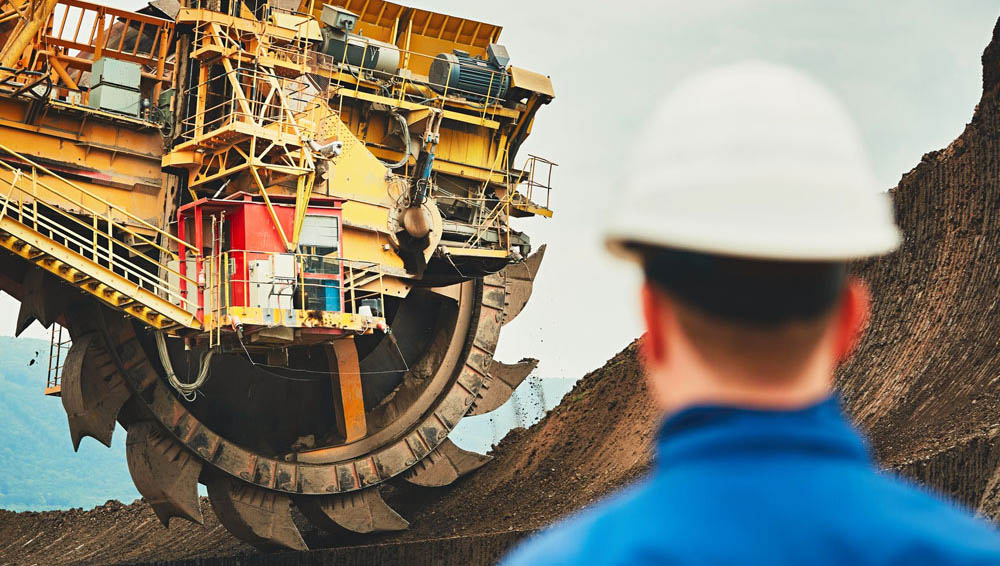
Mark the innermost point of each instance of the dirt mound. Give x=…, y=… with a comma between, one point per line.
x=108, y=534
x=925, y=385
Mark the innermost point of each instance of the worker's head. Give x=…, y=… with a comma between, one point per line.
x=743, y=330
x=750, y=193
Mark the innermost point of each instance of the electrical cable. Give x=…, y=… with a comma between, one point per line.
x=187, y=390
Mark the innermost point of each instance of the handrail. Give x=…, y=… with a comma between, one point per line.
x=532, y=167
x=29, y=216
x=93, y=242
x=97, y=38
x=58, y=346
x=106, y=203
x=221, y=283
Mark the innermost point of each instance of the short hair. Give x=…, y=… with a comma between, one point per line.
x=747, y=292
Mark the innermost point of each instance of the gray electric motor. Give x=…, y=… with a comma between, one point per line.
x=471, y=77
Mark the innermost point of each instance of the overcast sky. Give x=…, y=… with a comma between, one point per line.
x=909, y=72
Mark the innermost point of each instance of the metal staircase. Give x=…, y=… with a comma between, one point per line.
x=100, y=248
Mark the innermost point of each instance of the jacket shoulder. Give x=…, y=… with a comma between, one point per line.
x=606, y=533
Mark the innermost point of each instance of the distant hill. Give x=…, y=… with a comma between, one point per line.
x=40, y=469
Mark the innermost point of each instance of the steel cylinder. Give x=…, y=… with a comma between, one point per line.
x=359, y=51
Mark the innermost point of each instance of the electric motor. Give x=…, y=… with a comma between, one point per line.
x=470, y=77
x=359, y=51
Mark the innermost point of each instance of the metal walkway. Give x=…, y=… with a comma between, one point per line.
x=101, y=248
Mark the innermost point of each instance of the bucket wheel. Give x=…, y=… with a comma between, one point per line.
x=319, y=427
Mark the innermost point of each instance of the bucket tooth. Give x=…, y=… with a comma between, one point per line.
x=450, y=292
x=44, y=300
x=362, y=511
x=92, y=391
x=500, y=384
x=444, y=465
x=164, y=472
x=520, y=279
x=254, y=515
x=26, y=314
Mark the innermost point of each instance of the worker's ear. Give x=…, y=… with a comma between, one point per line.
x=852, y=318
x=654, y=308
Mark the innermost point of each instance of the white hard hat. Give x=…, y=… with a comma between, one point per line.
x=758, y=161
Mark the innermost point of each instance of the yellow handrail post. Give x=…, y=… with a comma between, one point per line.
x=34, y=199
x=111, y=247
x=302, y=282
x=354, y=298
x=228, y=292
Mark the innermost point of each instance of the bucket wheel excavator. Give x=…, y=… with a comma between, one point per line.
x=279, y=237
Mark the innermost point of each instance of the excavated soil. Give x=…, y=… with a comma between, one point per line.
x=925, y=385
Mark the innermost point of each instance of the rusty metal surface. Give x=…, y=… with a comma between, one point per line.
x=43, y=300
x=92, y=392
x=503, y=379
x=347, y=393
x=164, y=472
x=251, y=493
x=519, y=281
x=369, y=469
x=257, y=516
x=358, y=511
x=444, y=465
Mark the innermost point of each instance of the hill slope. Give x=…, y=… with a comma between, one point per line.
x=41, y=469
x=925, y=382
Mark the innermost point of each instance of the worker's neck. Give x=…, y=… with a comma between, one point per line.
x=680, y=388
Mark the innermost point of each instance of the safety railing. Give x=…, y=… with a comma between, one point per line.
x=292, y=37
x=528, y=188
x=97, y=230
x=246, y=95
x=78, y=33
x=102, y=31
x=343, y=74
x=289, y=281
x=535, y=183
x=252, y=88
x=59, y=344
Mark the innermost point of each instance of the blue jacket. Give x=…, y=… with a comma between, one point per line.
x=740, y=486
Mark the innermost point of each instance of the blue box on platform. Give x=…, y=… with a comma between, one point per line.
x=322, y=295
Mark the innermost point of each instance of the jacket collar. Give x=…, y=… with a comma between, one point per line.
x=712, y=431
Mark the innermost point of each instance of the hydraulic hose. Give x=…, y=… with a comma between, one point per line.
x=405, y=129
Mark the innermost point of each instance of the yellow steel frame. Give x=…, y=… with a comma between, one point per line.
x=59, y=37
x=261, y=135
